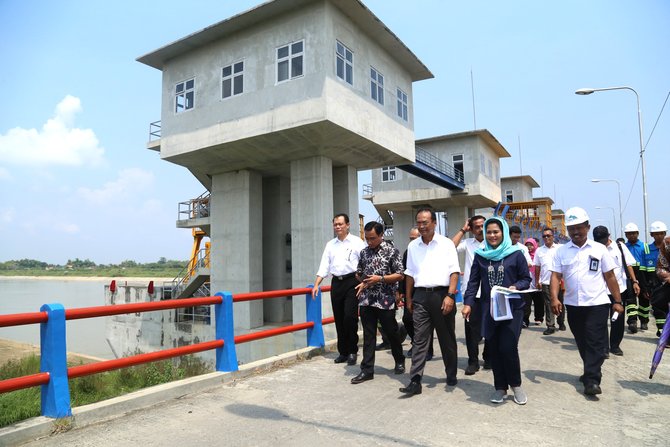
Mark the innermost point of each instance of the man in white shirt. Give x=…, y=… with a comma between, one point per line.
x=622, y=258
x=543, y=259
x=588, y=271
x=431, y=279
x=340, y=259
x=473, y=326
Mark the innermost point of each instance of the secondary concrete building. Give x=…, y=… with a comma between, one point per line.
x=474, y=156
x=274, y=110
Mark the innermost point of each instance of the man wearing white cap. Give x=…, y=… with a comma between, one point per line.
x=637, y=307
x=588, y=272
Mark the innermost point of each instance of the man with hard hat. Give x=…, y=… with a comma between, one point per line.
x=658, y=230
x=587, y=270
x=637, y=307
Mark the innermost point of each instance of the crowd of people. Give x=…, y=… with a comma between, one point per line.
x=588, y=282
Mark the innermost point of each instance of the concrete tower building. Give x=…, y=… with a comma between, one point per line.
x=274, y=110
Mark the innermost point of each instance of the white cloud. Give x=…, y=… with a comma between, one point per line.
x=57, y=143
x=68, y=228
x=7, y=215
x=130, y=182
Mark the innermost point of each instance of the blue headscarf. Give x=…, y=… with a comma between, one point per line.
x=504, y=249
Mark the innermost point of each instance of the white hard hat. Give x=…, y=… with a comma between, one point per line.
x=631, y=228
x=657, y=227
x=575, y=215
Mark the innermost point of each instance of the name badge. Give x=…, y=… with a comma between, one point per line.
x=593, y=264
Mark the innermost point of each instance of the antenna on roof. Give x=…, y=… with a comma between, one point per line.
x=472, y=89
x=520, y=167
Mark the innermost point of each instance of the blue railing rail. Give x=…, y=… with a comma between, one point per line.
x=425, y=157
x=154, y=131
x=54, y=373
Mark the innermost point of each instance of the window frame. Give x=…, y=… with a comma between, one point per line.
x=404, y=104
x=232, y=77
x=345, y=63
x=376, y=86
x=460, y=162
x=509, y=194
x=391, y=174
x=289, y=58
x=184, y=93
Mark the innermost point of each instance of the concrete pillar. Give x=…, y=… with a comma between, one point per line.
x=456, y=216
x=311, y=221
x=237, y=242
x=345, y=195
x=277, y=246
x=402, y=222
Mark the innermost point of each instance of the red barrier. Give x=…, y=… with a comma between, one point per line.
x=272, y=332
x=18, y=383
x=108, y=365
x=104, y=311
x=21, y=319
x=329, y=320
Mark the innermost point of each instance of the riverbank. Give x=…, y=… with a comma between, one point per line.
x=14, y=350
x=119, y=279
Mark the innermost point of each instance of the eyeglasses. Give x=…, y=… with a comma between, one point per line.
x=547, y=236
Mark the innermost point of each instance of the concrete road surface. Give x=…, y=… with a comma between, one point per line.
x=312, y=403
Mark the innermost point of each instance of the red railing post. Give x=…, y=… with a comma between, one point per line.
x=226, y=356
x=313, y=307
x=53, y=360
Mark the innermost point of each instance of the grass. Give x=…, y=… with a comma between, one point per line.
x=23, y=404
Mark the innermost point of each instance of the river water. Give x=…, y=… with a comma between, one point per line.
x=22, y=295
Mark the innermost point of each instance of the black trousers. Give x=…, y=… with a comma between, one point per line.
x=408, y=322
x=638, y=307
x=345, y=310
x=473, y=335
x=617, y=327
x=660, y=298
x=533, y=299
x=386, y=318
x=428, y=316
x=503, y=348
x=589, y=327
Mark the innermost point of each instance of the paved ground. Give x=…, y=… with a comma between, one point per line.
x=312, y=403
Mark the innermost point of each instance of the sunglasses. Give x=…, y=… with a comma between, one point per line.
x=547, y=236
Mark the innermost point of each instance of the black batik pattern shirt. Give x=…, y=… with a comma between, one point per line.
x=384, y=260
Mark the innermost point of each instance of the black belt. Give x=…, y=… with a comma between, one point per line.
x=431, y=289
x=343, y=277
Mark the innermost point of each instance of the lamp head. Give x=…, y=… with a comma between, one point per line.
x=584, y=91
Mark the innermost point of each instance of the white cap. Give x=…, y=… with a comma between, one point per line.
x=631, y=228
x=657, y=227
x=575, y=215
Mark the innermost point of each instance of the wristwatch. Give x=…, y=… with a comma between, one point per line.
x=617, y=302
x=452, y=296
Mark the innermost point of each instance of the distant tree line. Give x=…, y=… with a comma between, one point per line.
x=87, y=264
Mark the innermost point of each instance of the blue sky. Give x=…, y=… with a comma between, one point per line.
x=76, y=179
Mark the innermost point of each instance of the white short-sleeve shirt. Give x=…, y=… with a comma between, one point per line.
x=468, y=246
x=619, y=272
x=582, y=269
x=340, y=257
x=543, y=259
x=431, y=265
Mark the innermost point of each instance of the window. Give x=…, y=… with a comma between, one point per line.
x=482, y=163
x=457, y=161
x=509, y=195
x=376, y=86
x=232, y=80
x=388, y=174
x=402, y=104
x=344, y=63
x=290, y=61
x=184, y=96
x=490, y=169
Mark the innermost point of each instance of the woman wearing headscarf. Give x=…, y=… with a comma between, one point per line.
x=534, y=299
x=499, y=263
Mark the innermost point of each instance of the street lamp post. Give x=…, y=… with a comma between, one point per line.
x=618, y=188
x=613, y=215
x=588, y=91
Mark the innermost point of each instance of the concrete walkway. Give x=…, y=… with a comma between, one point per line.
x=312, y=403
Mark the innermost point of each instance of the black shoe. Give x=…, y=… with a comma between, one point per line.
x=471, y=369
x=581, y=378
x=592, y=389
x=658, y=332
x=411, y=389
x=643, y=326
x=452, y=381
x=549, y=331
x=399, y=368
x=340, y=359
x=632, y=328
x=607, y=355
x=351, y=359
x=409, y=353
x=383, y=346
x=429, y=356
x=561, y=327
x=616, y=351
x=362, y=377
x=487, y=364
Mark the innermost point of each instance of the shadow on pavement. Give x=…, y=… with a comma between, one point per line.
x=645, y=388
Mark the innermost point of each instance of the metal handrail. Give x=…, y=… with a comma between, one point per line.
x=177, y=284
x=155, y=130
x=194, y=208
x=367, y=189
x=431, y=160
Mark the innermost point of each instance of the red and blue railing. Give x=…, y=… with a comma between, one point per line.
x=54, y=373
